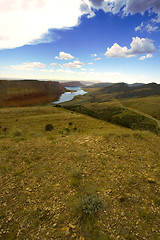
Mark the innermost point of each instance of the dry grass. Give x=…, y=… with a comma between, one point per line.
x=37, y=170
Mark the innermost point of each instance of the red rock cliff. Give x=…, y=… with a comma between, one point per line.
x=16, y=93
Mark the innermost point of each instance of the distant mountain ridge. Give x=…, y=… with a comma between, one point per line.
x=100, y=85
x=72, y=84
x=28, y=92
x=122, y=90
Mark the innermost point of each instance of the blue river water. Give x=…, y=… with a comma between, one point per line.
x=67, y=96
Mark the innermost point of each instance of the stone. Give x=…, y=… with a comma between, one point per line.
x=151, y=180
x=72, y=226
x=66, y=230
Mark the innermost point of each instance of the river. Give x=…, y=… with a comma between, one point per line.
x=67, y=96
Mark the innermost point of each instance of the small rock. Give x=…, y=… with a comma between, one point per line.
x=109, y=190
x=81, y=238
x=66, y=230
x=121, y=198
x=74, y=235
x=151, y=180
x=54, y=225
x=72, y=226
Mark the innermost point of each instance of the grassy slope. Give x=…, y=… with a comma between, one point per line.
x=97, y=101
x=39, y=188
x=149, y=105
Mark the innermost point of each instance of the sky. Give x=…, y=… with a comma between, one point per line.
x=97, y=40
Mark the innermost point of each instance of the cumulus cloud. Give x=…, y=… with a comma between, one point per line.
x=47, y=70
x=65, y=56
x=138, y=46
x=97, y=59
x=23, y=22
x=127, y=6
x=97, y=2
x=90, y=63
x=132, y=7
x=147, y=56
x=75, y=64
x=27, y=66
x=65, y=71
x=31, y=21
x=94, y=55
x=53, y=64
x=117, y=51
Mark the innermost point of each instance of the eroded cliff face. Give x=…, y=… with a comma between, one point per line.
x=14, y=93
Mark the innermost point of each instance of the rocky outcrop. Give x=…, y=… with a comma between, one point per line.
x=15, y=93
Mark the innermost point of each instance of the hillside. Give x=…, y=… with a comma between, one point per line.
x=136, y=107
x=72, y=84
x=86, y=179
x=47, y=176
x=100, y=85
x=28, y=92
x=122, y=90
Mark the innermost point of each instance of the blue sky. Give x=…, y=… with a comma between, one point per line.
x=101, y=40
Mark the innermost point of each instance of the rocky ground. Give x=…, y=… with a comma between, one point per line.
x=47, y=178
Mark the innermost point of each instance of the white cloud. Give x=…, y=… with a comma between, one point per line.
x=97, y=59
x=27, y=66
x=65, y=56
x=146, y=27
x=138, y=46
x=47, y=70
x=53, y=64
x=75, y=64
x=26, y=21
x=31, y=21
x=94, y=55
x=117, y=51
x=142, y=58
x=132, y=7
x=65, y=71
x=147, y=56
x=90, y=63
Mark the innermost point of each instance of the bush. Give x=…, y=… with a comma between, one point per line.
x=75, y=177
x=48, y=127
x=89, y=205
x=4, y=130
x=76, y=173
x=17, y=133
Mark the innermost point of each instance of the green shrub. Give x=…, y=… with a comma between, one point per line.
x=76, y=173
x=49, y=127
x=89, y=205
x=17, y=133
x=75, y=176
x=4, y=130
